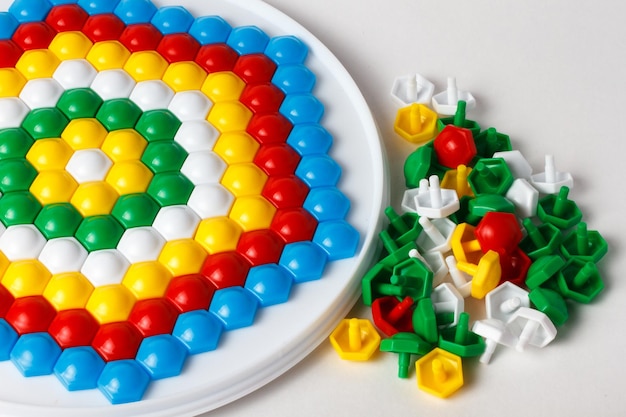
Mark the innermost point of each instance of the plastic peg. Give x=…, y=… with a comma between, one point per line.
x=490, y=176
x=411, y=277
x=541, y=240
x=461, y=280
x=486, y=274
x=454, y=146
x=405, y=344
x=456, y=179
x=405, y=228
x=433, y=202
x=465, y=246
x=416, y=123
x=499, y=232
x=425, y=321
x=502, y=302
x=559, y=210
x=439, y=373
x=355, y=339
x=588, y=245
x=544, y=270
x=531, y=328
x=490, y=141
x=460, y=340
x=436, y=234
x=580, y=280
x=524, y=196
x=550, y=181
x=446, y=299
x=395, y=252
x=436, y=263
x=551, y=303
x=392, y=316
x=517, y=163
x=374, y=283
x=447, y=101
x=495, y=333
x=412, y=88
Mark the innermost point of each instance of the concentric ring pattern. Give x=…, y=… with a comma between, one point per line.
x=162, y=177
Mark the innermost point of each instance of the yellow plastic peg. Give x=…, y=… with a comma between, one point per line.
x=355, y=339
x=439, y=373
x=416, y=123
x=486, y=274
x=456, y=179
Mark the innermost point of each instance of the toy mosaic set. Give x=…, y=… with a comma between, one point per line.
x=162, y=177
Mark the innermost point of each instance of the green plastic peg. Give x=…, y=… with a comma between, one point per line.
x=460, y=340
x=543, y=270
x=551, y=303
x=425, y=321
x=405, y=345
x=403, y=229
x=491, y=141
x=587, y=245
x=460, y=120
x=580, y=281
x=490, y=176
x=541, y=240
x=559, y=210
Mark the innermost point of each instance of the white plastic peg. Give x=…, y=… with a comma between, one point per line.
x=461, y=280
x=495, y=333
x=436, y=234
x=550, y=181
x=437, y=202
x=411, y=89
x=503, y=301
x=531, y=328
x=446, y=102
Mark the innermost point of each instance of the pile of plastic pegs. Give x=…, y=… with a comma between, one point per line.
x=475, y=222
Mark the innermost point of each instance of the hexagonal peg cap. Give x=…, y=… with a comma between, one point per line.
x=405, y=344
x=412, y=88
x=517, y=163
x=588, y=245
x=447, y=301
x=486, y=274
x=439, y=373
x=355, y=339
x=490, y=176
x=498, y=231
x=454, y=146
x=495, y=333
x=531, y=327
x=504, y=300
x=430, y=200
x=524, y=196
x=490, y=141
x=550, y=181
x=541, y=240
x=392, y=316
x=559, y=210
x=551, y=303
x=416, y=123
x=460, y=340
x=459, y=120
x=413, y=278
x=447, y=101
x=425, y=321
x=543, y=270
x=580, y=280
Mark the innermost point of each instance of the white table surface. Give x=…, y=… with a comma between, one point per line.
x=551, y=75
